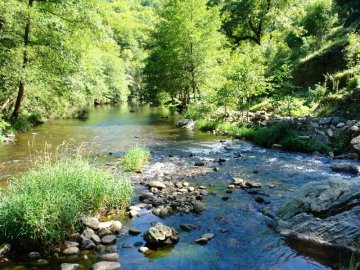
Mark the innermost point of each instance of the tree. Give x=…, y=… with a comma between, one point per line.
x=245, y=74
x=249, y=19
x=185, y=50
x=59, y=56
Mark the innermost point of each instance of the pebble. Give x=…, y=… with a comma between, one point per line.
x=201, y=241
x=92, y=223
x=69, y=244
x=133, y=213
x=108, y=239
x=71, y=251
x=69, y=266
x=133, y=231
x=143, y=249
x=105, y=225
x=208, y=236
x=106, y=266
x=198, y=207
x=34, y=255
x=187, y=227
x=111, y=257
x=116, y=227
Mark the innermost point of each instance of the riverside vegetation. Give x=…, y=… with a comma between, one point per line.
x=207, y=58
x=281, y=73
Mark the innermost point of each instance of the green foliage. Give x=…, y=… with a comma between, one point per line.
x=44, y=205
x=135, y=158
x=319, y=18
x=185, y=51
x=205, y=125
x=74, y=53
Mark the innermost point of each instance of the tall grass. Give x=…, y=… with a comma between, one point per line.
x=135, y=158
x=45, y=205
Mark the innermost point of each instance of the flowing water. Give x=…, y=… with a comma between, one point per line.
x=244, y=235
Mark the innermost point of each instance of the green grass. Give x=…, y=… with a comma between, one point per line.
x=281, y=133
x=45, y=205
x=353, y=265
x=135, y=158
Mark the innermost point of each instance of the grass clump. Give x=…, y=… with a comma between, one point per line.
x=45, y=205
x=135, y=158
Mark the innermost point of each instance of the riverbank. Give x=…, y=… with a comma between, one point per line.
x=334, y=136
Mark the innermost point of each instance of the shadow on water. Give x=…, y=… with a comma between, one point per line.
x=244, y=238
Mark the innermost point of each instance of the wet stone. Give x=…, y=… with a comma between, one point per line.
x=69, y=266
x=106, y=266
x=34, y=255
x=111, y=257
x=92, y=223
x=108, y=240
x=133, y=231
x=71, y=251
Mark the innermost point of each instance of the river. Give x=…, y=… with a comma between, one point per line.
x=244, y=235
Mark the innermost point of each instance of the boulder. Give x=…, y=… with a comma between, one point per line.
x=186, y=124
x=326, y=213
x=160, y=235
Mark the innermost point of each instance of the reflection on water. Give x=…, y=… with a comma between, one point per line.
x=243, y=238
x=110, y=129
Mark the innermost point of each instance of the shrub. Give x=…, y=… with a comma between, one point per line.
x=205, y=125
x=45, y=205
x=135, y=158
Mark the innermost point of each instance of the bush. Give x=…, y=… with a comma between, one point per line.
x=45, y=205
x=205, y=125
x=135, y=158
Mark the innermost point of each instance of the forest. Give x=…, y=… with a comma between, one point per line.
x=179, y=134
x=288, y=57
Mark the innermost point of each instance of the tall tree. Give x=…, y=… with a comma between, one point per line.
x=185, y=51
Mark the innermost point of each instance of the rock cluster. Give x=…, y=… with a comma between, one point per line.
x=163, y=198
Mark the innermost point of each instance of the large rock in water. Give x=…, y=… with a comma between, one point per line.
x=160, y=235
x=326, y=213
x=186, y=124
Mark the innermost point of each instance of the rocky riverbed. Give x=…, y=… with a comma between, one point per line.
x=220, y=199
x=219, y=204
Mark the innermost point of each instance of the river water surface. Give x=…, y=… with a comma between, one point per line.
x=244, y=235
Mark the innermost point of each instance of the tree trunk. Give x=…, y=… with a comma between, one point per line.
x=21, y=89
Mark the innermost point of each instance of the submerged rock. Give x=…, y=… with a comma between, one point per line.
x=346, y=168
x=326, y=213
x=160, y=235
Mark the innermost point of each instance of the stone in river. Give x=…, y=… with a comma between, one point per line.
x=106, y=266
